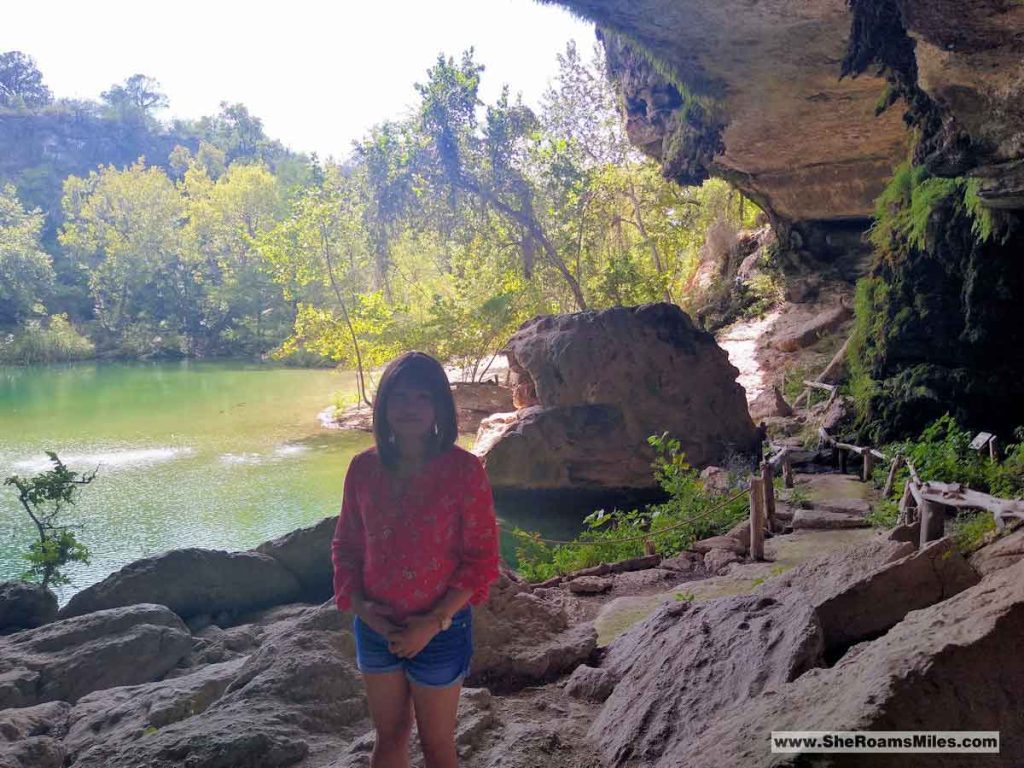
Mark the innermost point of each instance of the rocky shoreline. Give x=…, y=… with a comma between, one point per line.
x=182, y=659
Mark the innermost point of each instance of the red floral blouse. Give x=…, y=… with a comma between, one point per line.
x=406, y=551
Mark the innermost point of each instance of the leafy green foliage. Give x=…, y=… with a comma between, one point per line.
x=50, y=340
x=26, y=272
x=444, y=231
x=906, y=205
x=45, y=498
x=21, y=82
x=690, y=513
x=942, y=452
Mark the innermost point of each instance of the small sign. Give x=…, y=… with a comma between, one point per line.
x=982, y=439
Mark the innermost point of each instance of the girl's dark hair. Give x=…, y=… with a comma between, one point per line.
x=422, y=371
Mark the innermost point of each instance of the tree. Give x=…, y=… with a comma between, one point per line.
x=319, y=253
x=26, y=272
x=139, y=94
x=45, y=498
x=21, y=82
x=127, y=226
x=486, y=162
x=238, y=133
x=226, y=218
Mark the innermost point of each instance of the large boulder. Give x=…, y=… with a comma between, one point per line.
x=1002, y=553
x=593, y=386
x=955, y=666
x=862, y=592
x=703, y=658
x=686, y=662
x=306, y=553
x=24, y=606
x=192, y=582
x=520, y=639
x=297, y=697
x=30, y=737
x=476, y=400
x=67, y=659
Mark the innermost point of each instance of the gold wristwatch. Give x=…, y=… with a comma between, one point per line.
x=443, y=620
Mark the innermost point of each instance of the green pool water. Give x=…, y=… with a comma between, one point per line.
x=194, y=454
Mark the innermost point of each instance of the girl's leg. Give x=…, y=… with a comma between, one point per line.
x=436, y=712
x=391, y=711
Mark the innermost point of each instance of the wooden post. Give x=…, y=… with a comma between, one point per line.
x=869, y=464
x=787, y=472
x=992, y=452
x=768, y=477
x=890, y=481
x=842, y=461
x=756, y=518
x=933, y=522
x=908, y=506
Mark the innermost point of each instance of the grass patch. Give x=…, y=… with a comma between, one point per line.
x=971, y=530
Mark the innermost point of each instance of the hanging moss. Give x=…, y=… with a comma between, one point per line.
x=906, y=206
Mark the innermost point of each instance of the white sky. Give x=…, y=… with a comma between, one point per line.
x=318, y=73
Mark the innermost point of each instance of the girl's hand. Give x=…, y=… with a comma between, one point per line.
x=377, y=616
x=414, y=636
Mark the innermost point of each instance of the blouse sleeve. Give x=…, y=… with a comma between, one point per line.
x=347, y=544
x=478, y=559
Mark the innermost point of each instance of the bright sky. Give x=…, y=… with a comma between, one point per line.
x=318, y=73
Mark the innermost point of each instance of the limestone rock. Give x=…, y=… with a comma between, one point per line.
x=770, y=403
x=960, y=655
x=589, y=684
x=686, y=562
x=520, y=638
x=67, y=659
x=635, y=563
x=827, y=519
x=590, y=585
x=298, y=696
x=192, y=581
x=24, y=606
x=632, y=581
x=730, y=543
x=475, y=401
x=706, y=659
x=785, y=126
x=697, y=659
x=808, y=333
x=716, y=479
x=306, y=554
x=31, y=737
x=1001, y=553
x=741, y=532
x=596, y=385
x=883, y=597
x=717, y=560
x=124, y=714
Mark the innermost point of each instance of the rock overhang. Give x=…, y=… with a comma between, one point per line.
x=798, y=139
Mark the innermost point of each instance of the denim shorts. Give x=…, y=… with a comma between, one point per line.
x=443, y=661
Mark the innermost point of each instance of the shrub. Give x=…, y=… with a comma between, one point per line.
x=53, y=340
x=690, y=513
x=943, y=453
x=44, y=498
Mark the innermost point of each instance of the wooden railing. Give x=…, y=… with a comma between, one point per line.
x=922, y=500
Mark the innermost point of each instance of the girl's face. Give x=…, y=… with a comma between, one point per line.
x=410, y=411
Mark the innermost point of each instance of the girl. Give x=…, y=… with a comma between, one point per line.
x=415, y=544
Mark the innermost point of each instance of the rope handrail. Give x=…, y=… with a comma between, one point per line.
x=720, y=505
